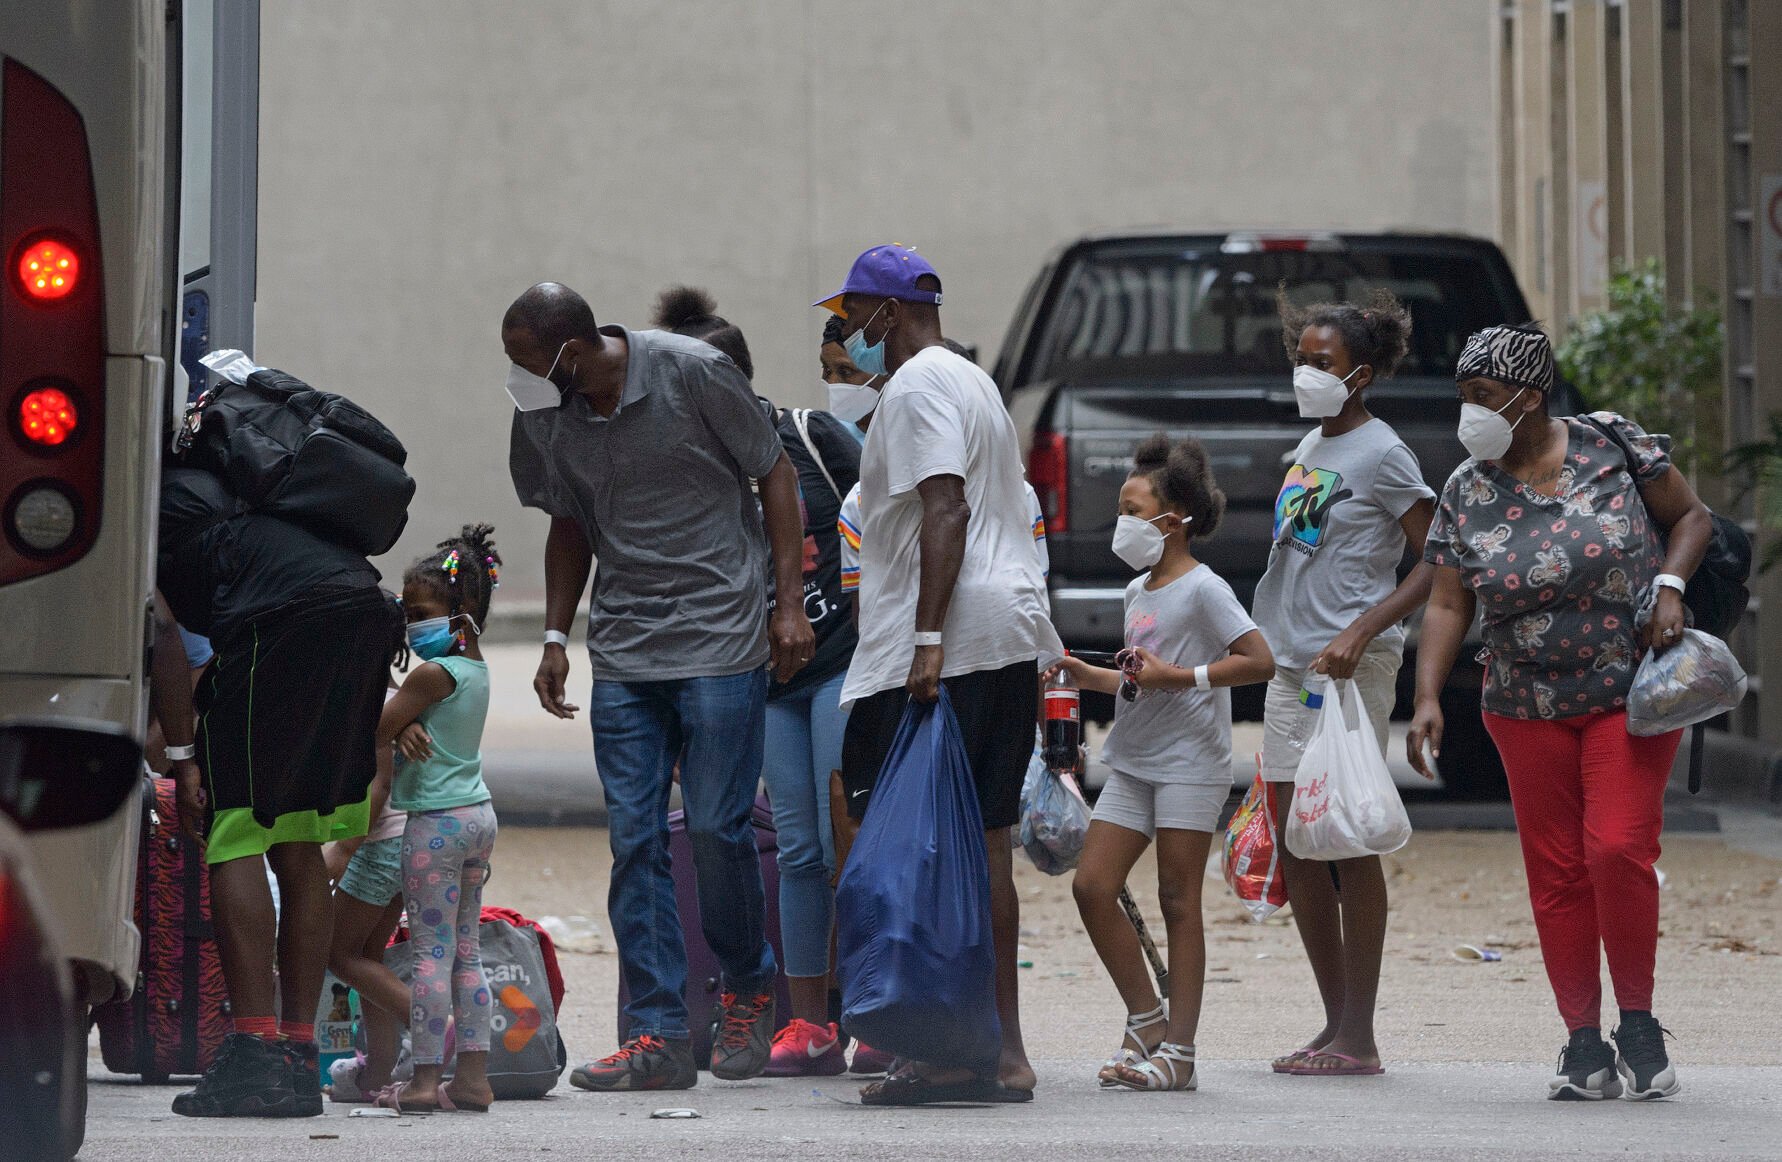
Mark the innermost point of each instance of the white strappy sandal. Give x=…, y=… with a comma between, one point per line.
x=1133, y=1048
x=1175, y=1073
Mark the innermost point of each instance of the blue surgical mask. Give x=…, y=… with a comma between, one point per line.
x=868, y=359
x=434, y=637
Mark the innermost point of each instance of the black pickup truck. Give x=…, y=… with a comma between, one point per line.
x=1122, y=336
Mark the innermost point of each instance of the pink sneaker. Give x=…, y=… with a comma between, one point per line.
x=870, y=1062
x=802, y=1049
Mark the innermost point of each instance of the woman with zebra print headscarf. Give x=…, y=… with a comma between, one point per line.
x=1577, y=553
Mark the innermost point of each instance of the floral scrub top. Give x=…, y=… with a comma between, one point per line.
x=1559, y=578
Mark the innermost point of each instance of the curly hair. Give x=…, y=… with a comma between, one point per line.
x=691, y=311
x=463, y=571
x=1377, y=332
x=398, y=628
x=1182, y=479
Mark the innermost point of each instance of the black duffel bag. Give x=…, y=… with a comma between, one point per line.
x=311, y=457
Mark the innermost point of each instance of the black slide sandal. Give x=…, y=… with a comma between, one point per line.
x=910, y=1090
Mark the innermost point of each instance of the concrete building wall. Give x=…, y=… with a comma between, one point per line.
x=1672, y=150
x=423, y=161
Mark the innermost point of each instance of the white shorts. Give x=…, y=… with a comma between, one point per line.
x=1144, y=807
x=1287, y=722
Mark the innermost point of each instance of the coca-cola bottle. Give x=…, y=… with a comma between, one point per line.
x=1064, y=722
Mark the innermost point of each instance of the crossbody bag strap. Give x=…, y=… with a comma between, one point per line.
x=801, y=420
x=1627, y=454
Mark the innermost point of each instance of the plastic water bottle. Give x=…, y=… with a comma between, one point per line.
x=1064, y=722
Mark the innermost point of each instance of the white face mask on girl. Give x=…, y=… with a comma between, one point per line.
x=1485, y=433
x=1138, y=541
x=1321, y=394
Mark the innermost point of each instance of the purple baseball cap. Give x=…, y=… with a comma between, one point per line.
x=888, y=272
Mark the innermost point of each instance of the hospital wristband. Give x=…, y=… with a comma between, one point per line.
x=1200, y=677
x=179, y=754
x=1670, y=581
x=556, y=637
x=928, y=638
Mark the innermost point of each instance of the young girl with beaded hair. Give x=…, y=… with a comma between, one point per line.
x=451, y=823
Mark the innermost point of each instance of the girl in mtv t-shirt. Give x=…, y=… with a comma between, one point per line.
x=1331, y=607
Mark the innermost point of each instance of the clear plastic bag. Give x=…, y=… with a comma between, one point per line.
x=1345, y=804
x=1054, y=819
x=1693, y=681
x=1252, y=857
x=231, y=364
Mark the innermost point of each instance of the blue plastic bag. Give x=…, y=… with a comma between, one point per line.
x=913, y=933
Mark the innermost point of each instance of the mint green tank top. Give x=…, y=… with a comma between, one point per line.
x=453, y=776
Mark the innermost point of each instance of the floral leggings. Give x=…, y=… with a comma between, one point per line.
x=445, y=861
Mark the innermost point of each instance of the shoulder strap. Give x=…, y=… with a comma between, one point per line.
x=801, y=419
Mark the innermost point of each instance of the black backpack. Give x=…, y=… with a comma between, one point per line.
x=1716, y=596
x=311, y=457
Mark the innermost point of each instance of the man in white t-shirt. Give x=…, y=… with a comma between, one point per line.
x=951, y=592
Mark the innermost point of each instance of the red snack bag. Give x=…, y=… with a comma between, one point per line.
x=1252, y=861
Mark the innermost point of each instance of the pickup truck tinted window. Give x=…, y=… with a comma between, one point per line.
x=1206, y=313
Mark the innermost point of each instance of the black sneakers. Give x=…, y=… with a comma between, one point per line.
x=744, y=1043
x=306, y=1077
x=250, y=1078
x=646, y=1062
x=1643, y=1063
x=1586, y=1069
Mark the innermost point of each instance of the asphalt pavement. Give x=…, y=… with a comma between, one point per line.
x=1492, y=1112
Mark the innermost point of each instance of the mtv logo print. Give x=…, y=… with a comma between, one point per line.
x=1303, y=506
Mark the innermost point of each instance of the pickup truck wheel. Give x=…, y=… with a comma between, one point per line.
x=1470, y=767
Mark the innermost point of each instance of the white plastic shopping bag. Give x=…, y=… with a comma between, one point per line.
x=1344, y=802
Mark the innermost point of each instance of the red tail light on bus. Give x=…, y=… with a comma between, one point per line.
x=49, y=269
x=52, y=331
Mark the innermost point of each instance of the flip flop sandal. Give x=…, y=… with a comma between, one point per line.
x=390, y=1098
x=1010, y=1097
x=460, y=1106
x=1349, y=1067
x=1170, y=1076
x=910, y=1090
x=1293, y=1060
x=1133, y=1048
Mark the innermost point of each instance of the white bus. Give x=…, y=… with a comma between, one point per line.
x=92, y=117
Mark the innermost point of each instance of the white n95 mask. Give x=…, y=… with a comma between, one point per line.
x=1137, y=541
x=534, y=393
x=1485, y=433
x=852, y=402
x=1320, y=394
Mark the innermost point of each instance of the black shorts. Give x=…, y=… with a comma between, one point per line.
x=996, y=711
x=287, y=723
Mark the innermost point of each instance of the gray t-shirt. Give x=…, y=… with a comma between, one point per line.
x=662, y=491
x=1178, y=736
x=1337, y=539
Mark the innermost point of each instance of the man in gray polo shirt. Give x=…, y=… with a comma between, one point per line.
x=641, y=446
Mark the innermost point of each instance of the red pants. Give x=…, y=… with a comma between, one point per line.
x=1589, y=800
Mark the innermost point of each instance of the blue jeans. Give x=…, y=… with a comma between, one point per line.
x=804, y=744
x=714, y=727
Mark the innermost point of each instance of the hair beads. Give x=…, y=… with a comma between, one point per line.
x=462, y=572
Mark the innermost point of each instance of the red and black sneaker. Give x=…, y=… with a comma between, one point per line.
x=646, y=1062
x=745, y=1036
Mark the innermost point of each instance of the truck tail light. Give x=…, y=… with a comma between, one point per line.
x=1048, y=470
x=52, y=331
